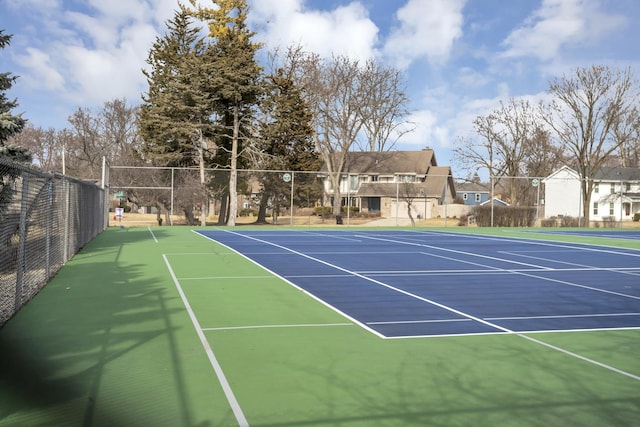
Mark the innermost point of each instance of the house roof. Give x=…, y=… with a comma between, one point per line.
x=438, y=178
x=495, y=201
x=388, y=162
x=472, y=187
x=606, y=173
x=618, y=173
x=564, y=170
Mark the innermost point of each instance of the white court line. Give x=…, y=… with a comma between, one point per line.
x=226, y=278
x=409, y=322
x=309, y=325
x=369, y=279
x=567, y=316
x=563, y=316
x=623, y=270
x=231, y=398
x=587, y=247
x=453, y=310
x=518, y=272
x=424, y=245
x=578, y=267
x=286, y=280
x=331, y=236
x=152, y=235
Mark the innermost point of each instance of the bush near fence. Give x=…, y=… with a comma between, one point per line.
x=505, y=216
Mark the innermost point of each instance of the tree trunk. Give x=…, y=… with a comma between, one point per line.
x=233, y=194
x=224, y=203
x=262, y=209
x=337, y=196
x=204, y=204
x=409, y=206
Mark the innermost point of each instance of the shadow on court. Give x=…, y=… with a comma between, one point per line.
x=97, y=346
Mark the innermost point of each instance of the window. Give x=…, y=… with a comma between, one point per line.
x=628, y=186
x=613, y=188
x=478, y=197
x=406, y=178
x=611, y=208
x=353, y=182
x=596, y=187
x=595, y=208
x=374, y=178
x=465, y=196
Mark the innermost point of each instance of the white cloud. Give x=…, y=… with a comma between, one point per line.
x=43, y=73
x=469, y=77
x=558, y=23
x=98, y=56
x=346, y=30
x=426, y=131
x=428, y=28
x=34, y=4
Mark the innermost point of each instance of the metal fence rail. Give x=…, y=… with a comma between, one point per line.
x=45, y=219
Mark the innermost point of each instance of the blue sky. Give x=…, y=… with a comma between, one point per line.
x=461, y=57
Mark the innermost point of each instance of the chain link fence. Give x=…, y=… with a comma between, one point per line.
x=45, y=219
x=184, y=195
x=187, y=195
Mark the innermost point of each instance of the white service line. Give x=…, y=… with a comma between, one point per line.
x=445, y=307
x=231, y=398
x=377, y=282
x=152, y=235
x=518, y=272
x=308, y=325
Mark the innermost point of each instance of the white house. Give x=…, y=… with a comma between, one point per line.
x=615, y=195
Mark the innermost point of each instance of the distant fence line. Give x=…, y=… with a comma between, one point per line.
x=174, y=189
x=45, y=219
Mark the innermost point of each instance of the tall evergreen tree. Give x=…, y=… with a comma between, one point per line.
x=168, y=120
x=235, y=82
x=175, y=116
x=286, y=140
x=10, y=124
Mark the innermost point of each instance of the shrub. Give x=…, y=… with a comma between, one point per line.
x=323, y=210
x=636, y=217
x=351, y=209
x=609, y=222
x=569, y=221
x=505, y=216
x=549, y=222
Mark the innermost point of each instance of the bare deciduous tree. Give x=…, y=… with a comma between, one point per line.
x=385, y=109
x=587, y=116
x=43, y=144
x=347, y=101
x=507, y=138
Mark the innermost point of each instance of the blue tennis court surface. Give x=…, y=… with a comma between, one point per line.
x=429, y=283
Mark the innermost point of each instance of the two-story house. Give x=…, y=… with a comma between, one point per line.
x=615, y=194
x=390, y=182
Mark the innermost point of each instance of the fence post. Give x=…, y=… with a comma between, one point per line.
x=171, y=213
x=48, y=227
x=67, y=215
x=22, y=237
x=293, y=177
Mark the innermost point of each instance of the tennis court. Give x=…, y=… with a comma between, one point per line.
x=333, y=327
